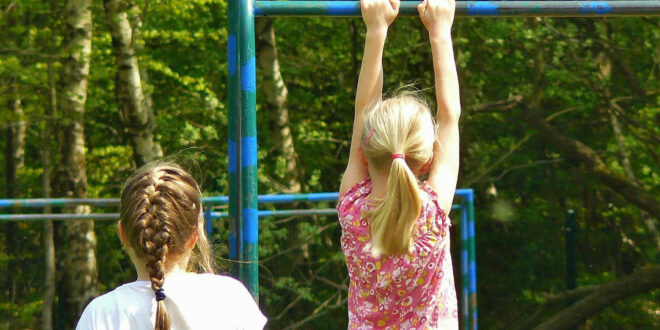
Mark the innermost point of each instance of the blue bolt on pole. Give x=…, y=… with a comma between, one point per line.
x=470, y=8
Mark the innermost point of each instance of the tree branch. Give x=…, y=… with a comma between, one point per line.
x=641, y=281
x=578, y=151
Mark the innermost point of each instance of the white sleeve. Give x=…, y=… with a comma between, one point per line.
x=251, y=316
x=86, y=319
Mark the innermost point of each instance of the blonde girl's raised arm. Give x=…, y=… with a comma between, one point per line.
x=377, y=15
x=438, y=16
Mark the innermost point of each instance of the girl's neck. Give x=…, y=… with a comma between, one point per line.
x=378, y=182
x=177, y=267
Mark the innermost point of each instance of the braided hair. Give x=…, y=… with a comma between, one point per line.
x=160, y=211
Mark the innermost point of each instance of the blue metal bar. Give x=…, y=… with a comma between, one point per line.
x=213, y=200
x=43, y=202
x=282, y=213
x=472, y=260
x=208, y=222
x=59, y=216
x=208, y=215
x=465, y=306
x=470, y=8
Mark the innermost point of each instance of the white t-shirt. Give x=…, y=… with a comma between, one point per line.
x=194, y=301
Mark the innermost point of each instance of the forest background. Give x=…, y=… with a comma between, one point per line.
x=558, y=114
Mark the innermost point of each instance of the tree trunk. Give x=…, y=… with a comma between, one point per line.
x=641, y=281
x=134, y=110
x=276, y=101
x=578, y=151
x=48, y=233
x=14, y=160
x=79, y=281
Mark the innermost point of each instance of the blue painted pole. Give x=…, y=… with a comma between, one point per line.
x=233, y=143
x=470, y=8
x=472, y=259
x=465, y=305
x=248, y=148
x=208, y=221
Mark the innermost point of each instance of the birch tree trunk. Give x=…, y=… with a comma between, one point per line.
x=134, y=110
x=276, y=101
x=79, y=271
x=286, y=159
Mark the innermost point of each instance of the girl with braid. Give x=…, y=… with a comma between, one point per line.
x=161, y=223
x=395, y=229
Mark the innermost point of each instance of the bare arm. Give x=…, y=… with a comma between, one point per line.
x=377, y=15
x=438, y=16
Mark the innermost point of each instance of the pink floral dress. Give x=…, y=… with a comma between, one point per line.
x=412, y=291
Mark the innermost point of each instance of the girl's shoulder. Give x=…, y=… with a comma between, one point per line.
x=205, y=282
x=358, y=192
x=362, y=188
x=432, y=204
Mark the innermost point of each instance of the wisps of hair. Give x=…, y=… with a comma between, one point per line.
x=160, y=211
x=401, y=124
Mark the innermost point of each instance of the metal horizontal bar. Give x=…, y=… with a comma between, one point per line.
x=214, y=200
x=281, y=213
x=214, y=215
x=59, y=216
x=470, y=8
x=42, y=202
x=280, y=198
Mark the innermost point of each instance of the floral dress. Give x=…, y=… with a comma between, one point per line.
x=411, y=291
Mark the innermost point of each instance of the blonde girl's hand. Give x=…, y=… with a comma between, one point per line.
x=437, y=16
x=379, y=14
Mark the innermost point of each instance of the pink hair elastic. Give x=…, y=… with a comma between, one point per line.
x=369, y=136
x=395, y=156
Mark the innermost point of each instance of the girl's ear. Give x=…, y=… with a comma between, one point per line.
x=425, y=168
x=193, y=240
x=363, y=158
x=122, y=234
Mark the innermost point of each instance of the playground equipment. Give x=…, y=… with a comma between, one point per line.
x=466, y=208
x=469, y=8
x=243, y=202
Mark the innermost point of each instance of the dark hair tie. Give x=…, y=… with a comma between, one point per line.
x=160, y=294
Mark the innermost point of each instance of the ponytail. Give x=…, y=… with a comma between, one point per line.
x=398, y=132
x=393, y=222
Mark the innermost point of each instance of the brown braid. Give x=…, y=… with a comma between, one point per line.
x=160, y=211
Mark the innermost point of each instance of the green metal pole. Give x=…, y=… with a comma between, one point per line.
x=234, y=95
x=465, y=267
x=472, y=287
x=571, y=228
x=248, y=148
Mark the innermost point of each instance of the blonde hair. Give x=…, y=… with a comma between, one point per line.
x=160, y=210
x=399, y=125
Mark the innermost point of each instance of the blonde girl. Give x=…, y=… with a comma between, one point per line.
x=160, y=225
x=395, y=230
